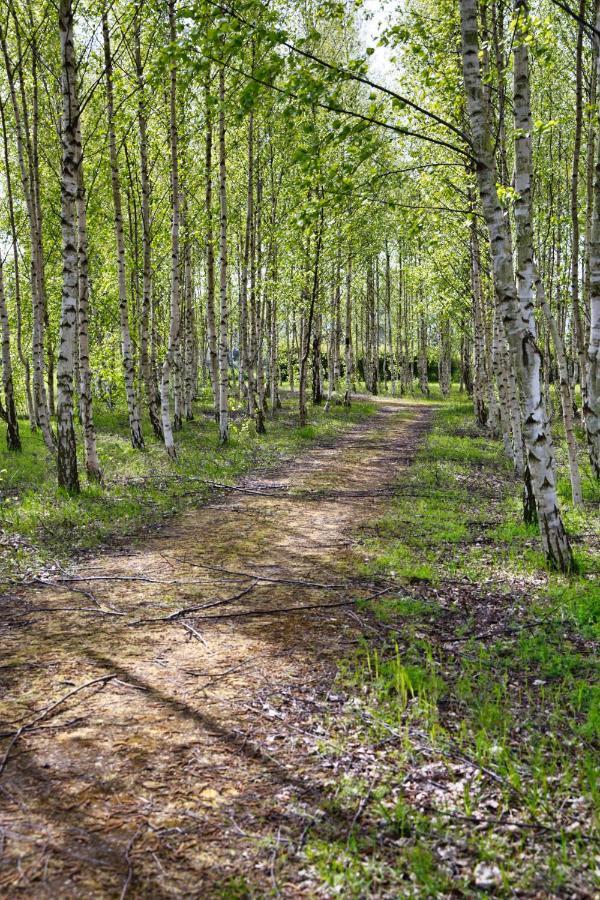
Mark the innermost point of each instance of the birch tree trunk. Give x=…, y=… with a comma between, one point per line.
x=348, y=334
x=579, y=334
x=17, y=282
x=211, y=331
x=24, y=154
x=148, y=370
x=516, y=312
x=592, y=401
x=71, y=164
x=13, y=440
x=92, y=463
x=223, y=308
x=135, y=425
x=423, y=374
x=170, y=361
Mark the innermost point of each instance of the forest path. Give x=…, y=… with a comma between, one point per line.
x=194, y=769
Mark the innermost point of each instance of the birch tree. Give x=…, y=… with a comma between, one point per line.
x=516, y=310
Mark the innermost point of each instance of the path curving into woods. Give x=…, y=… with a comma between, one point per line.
x=195, y=761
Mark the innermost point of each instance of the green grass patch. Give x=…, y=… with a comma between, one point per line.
x=486, y=659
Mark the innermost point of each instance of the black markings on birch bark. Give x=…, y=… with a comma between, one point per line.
x=135, y=425
x=516, y=309
x=148, y=369
x=70, y=182
x=223, y=306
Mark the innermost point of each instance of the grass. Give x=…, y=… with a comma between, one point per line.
x=39, y=522
x=478, y=691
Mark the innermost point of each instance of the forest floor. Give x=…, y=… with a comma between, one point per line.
x=347, y=676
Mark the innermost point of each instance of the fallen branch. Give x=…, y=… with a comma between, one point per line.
x=46, y=712
x=266, y=578
x=255, y=613
x=188, y=610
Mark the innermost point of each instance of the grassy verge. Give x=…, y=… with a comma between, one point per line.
x=39, y=522
x=472, y=713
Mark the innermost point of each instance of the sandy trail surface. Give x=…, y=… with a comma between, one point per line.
x=193, y=769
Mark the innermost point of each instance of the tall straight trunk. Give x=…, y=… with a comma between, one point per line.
x=592, y=400
x=92, y=463
x=211, y=331
x=26, y=167
x=579, y=333
x=305, y=341
x=348, y=334
x=170, y=360
x=590, y=155
x=387, y=326
x=481, y=412
x=423, y=374
x=13, y=440
x=148, y=370
x=445, y=356
x=16, y=267
x=502, y=372
x=190, y=371
x=135, y=425
x=317, y=384
x=71, y=164
x=223, y=308
x=247, y=309
x=566, y=398
x=516, y=311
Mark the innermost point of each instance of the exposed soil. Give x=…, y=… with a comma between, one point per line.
x=196, y=764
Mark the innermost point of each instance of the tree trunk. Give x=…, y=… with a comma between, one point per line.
x=13, y=440
x=148, y=370
x=579, y=334
x=170, y=361
x=516, y=312
x=348, y=334
x=223, y=309
x=92, y=463
x=135, y=425
x=17, y=283
x=592, y=400
x=26, y=167
x=71, y=164
x=211, y=330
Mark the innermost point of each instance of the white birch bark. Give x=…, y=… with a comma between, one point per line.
x=223, y=308
x=170, y=360
x=92, y=462
x=24, y=155
x=13, y=440
x=135, y=425
x=71, y=163
x=516, y=312
x=592, y=403
x=148, y=370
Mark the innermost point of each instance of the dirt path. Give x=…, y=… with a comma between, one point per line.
x=194, y=769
